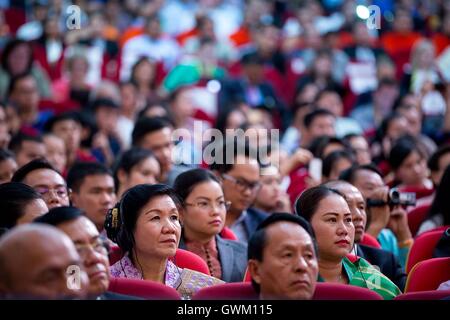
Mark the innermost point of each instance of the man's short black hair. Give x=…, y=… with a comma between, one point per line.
x=104, y=103
x=238, y=148
x=36, y=164
x=310, y=117
x=15, y=79
x=15, y=145
x=81, y=170
x=5, y=154
x=349, y=174
x=258, y=240
x=59, y=215
x=69, y=115
x=433, y=162
x=148, y=125
x=330, y=160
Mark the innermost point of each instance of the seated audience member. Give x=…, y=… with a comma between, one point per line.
x=442, y=248
x=155, y=134
x=90, y=246
x=19, y=204
x=437, y=164
x=135, y=166
x=439, y=214
x=389, y=225
x=329, y=99
x=92, y=190
x=360, y=147
x=386, y=261
x=271, y=197
x=203, y=218
x=282, y=258
x=317, y=123
x=42, y=177
x=335, y=163
x=8, y=165
x=240, y=183
x=330, y=218
x=55, y=152
x=146, y=226
x=50, y=253
x=408, y=163
x=26, y=148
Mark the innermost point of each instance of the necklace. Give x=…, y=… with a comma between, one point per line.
x=208, y=261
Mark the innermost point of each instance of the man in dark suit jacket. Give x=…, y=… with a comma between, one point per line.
x=232, y=257
x=90, y=246
x=240, y=185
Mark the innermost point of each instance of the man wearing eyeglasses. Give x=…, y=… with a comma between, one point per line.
x=90, y=246
x=46, y=180
x=240, y=182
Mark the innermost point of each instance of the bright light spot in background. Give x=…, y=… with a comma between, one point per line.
x=362, y=12
x=213, y=86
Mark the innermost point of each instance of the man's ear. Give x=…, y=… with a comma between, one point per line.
x=253, y=267
x=73, y=197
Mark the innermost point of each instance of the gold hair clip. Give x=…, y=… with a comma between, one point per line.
x=115, y=218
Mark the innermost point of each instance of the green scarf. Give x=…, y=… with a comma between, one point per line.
x=362, y=274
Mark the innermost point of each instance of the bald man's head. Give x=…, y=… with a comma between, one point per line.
x=47, y=258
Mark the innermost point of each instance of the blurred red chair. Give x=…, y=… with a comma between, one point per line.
x=416, y=217
x=334, y=291
x=189, y=260
x=227, y=291
x=424, y=295
x=143, y=289
x=115, y=254
x=423, y=248
x=228, y=234
x=370, y=241
x=428, y=275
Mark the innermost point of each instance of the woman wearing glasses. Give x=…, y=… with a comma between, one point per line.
x=203, y=218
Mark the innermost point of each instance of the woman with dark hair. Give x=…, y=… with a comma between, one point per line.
x=143, y=75
x=19, y=203
x=408, y=163
x=146, y=226
x=329, y=215
x=439, y=214
x=17, y=59
x=203, y=218
x=136, y=166
x=8, y=165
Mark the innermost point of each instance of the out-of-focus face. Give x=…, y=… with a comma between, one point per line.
x=25, y=94
x=235, y=120
x=403, y=22
x=323, y=65
x=129, y=97
x=338, y=167
x=289, y=267
x=331, y=102
x=241, y=183
x=322, y=126
x=436, y=176
x=95, y=197
x=413, y=119
x=33, y=210
x=145, y=72
x=70, y=132
x=367, y=182
x=361, y=148
x=413, y=170
x=146, y=171
x=334, y=229
x=7, y=169
x=18, y=59
x=160, y=142
x=204, y=212
x=269, y=196
x=30, y=150
x=107, y=119
x=157, y=232
x=56, y=152
x=397, y=128
x=92, y=252
x=50, y=185
x=51, y=259
x=183, y=106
